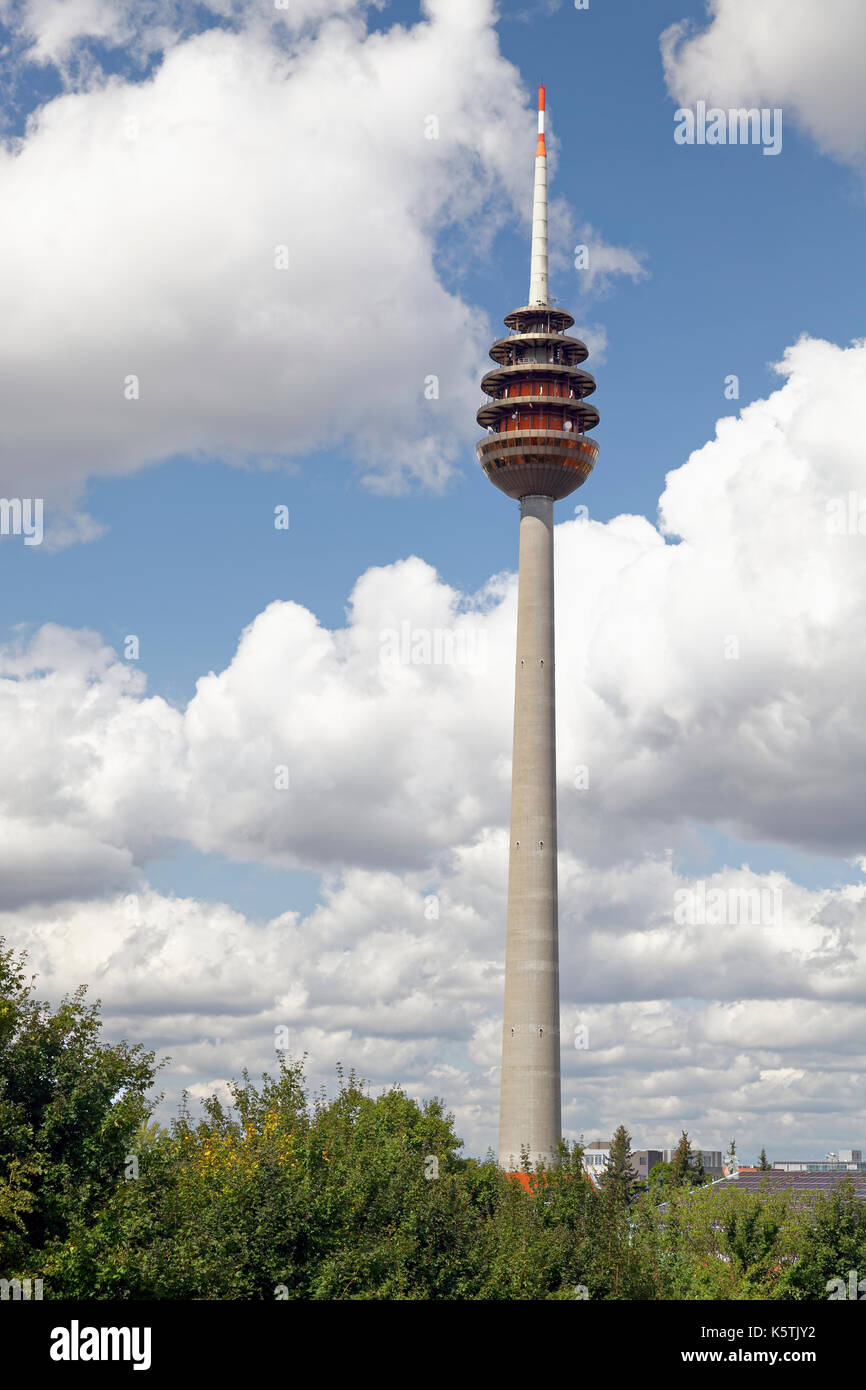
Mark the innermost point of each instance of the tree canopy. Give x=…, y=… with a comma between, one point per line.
x=278, y=1193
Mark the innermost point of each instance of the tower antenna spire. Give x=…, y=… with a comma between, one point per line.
x=538, y=282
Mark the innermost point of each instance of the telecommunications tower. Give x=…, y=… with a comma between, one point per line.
x=536, y=451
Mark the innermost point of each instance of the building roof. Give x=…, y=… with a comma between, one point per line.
x=801, y=1187
x=774, y=1180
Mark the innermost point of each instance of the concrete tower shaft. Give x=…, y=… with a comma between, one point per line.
x=530, y=1099
x=536, y=451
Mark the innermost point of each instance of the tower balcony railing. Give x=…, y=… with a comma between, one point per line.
x=557, y=441
x=509, y=395
x=560, y=414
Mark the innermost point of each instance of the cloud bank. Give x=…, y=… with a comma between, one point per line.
x=709, y=675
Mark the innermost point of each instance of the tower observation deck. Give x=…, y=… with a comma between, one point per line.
x=536, y=451
x=537, y=415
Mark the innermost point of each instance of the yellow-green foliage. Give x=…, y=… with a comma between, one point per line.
x=280, y=1194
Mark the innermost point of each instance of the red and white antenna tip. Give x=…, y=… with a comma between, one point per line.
x=540, y=147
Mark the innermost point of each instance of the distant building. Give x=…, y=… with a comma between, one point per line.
x=711, y=1159
x=644, y=1160
x=596, y=1155
x=845, y=1161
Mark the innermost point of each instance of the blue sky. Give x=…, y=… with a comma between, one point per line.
x=741, y=255
x=741, y=258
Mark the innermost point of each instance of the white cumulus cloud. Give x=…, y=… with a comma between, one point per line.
x=794, y=54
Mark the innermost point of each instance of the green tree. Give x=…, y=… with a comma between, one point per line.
x=681, y=1163
x=617, y=1193
x=826, y=1239
x=686, y=1168
x=277, y=1193
x=70, y=1107
x=713, y=1244
x=750, y=1241
x=618, y=1182
x=762, y=1162
x=659, y=1181
x=350, y=1198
